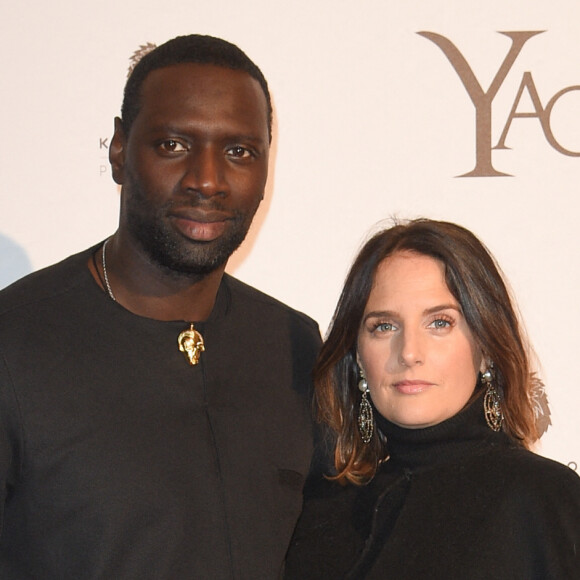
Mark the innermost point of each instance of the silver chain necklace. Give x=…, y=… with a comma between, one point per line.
x=107, y=284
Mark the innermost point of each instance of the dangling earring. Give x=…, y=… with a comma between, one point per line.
x=365, y=411
x=491, y=401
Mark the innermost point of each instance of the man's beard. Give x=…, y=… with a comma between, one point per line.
x=172, y=251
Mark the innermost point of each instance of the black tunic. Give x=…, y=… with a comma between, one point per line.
x=456, y=501
x=119, y=460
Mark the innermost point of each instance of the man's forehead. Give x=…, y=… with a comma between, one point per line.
x=201, y=81
x=193, y=73
x=192, y=93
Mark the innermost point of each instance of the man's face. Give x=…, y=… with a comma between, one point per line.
x=194, y=165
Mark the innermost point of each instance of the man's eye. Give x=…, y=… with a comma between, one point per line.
x=172, y=146
x=239, y=152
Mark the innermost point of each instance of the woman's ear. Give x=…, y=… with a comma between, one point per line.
x=485, y=364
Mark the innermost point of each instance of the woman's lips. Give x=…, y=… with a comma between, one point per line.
x=412, y=387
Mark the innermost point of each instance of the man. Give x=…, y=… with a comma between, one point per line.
x=154, y=414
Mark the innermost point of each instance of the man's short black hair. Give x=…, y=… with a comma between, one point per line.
x=194, y=48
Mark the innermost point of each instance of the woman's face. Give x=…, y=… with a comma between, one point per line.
x=417, y=352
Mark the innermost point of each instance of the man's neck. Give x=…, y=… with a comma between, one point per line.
x=146, y=289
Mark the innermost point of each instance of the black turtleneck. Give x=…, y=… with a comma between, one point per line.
x=456, y=501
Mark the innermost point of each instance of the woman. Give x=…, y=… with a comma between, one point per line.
x=425, y=383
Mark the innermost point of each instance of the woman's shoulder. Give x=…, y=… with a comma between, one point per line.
x=527, y=475
x=529, y=463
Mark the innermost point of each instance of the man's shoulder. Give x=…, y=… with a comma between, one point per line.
x=242, y=292
x=45, y=284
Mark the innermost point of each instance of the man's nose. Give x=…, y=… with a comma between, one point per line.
x=205, y=172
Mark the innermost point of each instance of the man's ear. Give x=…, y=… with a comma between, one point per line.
x=117, y=152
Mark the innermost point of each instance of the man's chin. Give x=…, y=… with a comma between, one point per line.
x=205, y=260
x=183, y=256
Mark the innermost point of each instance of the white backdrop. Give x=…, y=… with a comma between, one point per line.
x=372, y=120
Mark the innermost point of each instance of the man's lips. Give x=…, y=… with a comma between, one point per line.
x=413, y=387
x=200, y=226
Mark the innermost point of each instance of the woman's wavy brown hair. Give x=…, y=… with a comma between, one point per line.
x=475, y=281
